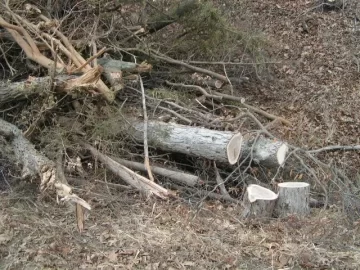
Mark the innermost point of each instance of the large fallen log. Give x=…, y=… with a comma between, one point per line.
x=223, y=146
x=37, y=165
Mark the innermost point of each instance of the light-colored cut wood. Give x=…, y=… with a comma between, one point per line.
x=258, y=202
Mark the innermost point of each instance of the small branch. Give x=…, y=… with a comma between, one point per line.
x=176, y=114
x=335, y=148
x=228, y=63
x=220, y=182
x=146, y=148
x=196, y=87
x=255, y=109
x=89, y=60
x=180, y=63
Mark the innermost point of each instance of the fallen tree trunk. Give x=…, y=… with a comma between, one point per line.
x=36, y=164
x=223, y=146
x=180, y=177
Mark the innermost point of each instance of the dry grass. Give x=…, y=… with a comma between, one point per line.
x=125, y=232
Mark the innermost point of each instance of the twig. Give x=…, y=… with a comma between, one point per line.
x=196, y=87
x=177, y=62
x=335, y=148
x=176, y=114
x=255, y=109
x=114, y=185
x=220, y=182
x=228, y=63
x=89, y=60
x=229, y=82
x=146, y=148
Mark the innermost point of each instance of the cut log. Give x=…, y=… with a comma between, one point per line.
x=223, y=146
x=264, y=151
x=179, y=177
x=294, y=198
x=258, y=202
x=215, y=145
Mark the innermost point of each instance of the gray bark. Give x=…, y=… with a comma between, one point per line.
x=223, y=146
x=264, y=151
x=294, y=198
x=258, y=202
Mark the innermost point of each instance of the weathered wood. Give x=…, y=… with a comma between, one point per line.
x=294, y=198
x=35, y=85
x=180, y=177
x=223, y=146
x=36, y=164
x=258, y=202
x=137, y=181
x=22, y=90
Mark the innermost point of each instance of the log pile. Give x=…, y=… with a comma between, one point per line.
x=208, y=126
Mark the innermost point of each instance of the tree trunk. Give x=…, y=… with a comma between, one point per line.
x=223, y=146
x=211, y=144
x=294, y=198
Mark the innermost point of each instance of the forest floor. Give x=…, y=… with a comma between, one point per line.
x=316, y=85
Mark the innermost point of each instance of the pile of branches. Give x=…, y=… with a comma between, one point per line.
x=116, y=67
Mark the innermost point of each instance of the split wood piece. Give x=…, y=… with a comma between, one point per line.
x=169, y=60
x=135, y=180
x=264, y=151
x=112, y=65
x=223, y=146
x=258, y=202
x=35, y=164
x=294, y=198
x=177, y=176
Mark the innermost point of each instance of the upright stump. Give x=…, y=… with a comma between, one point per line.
x=294, y=198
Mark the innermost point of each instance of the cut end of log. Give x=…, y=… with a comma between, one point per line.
x=233, y=149
x=281, y=154
x=256, y=192
x=293, y=185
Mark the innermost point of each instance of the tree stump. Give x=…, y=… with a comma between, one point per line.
x=294, y=198
x=259, y=202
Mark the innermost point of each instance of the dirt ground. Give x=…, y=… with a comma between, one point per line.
x=315, y=85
